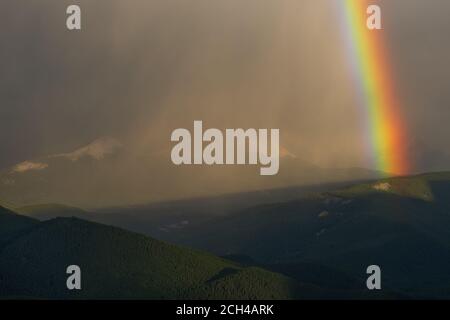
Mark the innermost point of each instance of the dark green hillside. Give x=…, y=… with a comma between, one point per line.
x=120, y=264
x=401, y=224
x=13, y=225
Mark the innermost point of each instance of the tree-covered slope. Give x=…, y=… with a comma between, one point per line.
x=120, y=264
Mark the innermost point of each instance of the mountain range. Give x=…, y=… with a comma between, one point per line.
x=120, y=264
x=320, y=240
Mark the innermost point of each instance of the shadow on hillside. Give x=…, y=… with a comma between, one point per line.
x=441, y=191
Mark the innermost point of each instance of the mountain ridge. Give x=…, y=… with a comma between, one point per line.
x=121, y=264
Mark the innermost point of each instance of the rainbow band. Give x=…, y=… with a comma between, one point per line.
x=387, y=131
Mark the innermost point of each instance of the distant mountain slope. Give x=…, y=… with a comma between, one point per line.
x=51, y=210
x=120, y=264
x=401, y=224
x=162, y=218
x=13, y=225
x=89, y=181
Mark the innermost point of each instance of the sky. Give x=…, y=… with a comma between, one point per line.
x=114, y=91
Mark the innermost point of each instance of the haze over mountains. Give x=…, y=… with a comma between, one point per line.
x=94, y=176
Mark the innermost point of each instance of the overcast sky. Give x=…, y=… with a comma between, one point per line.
x=140, y=69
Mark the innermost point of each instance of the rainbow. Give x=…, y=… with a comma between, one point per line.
x=386, y=129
